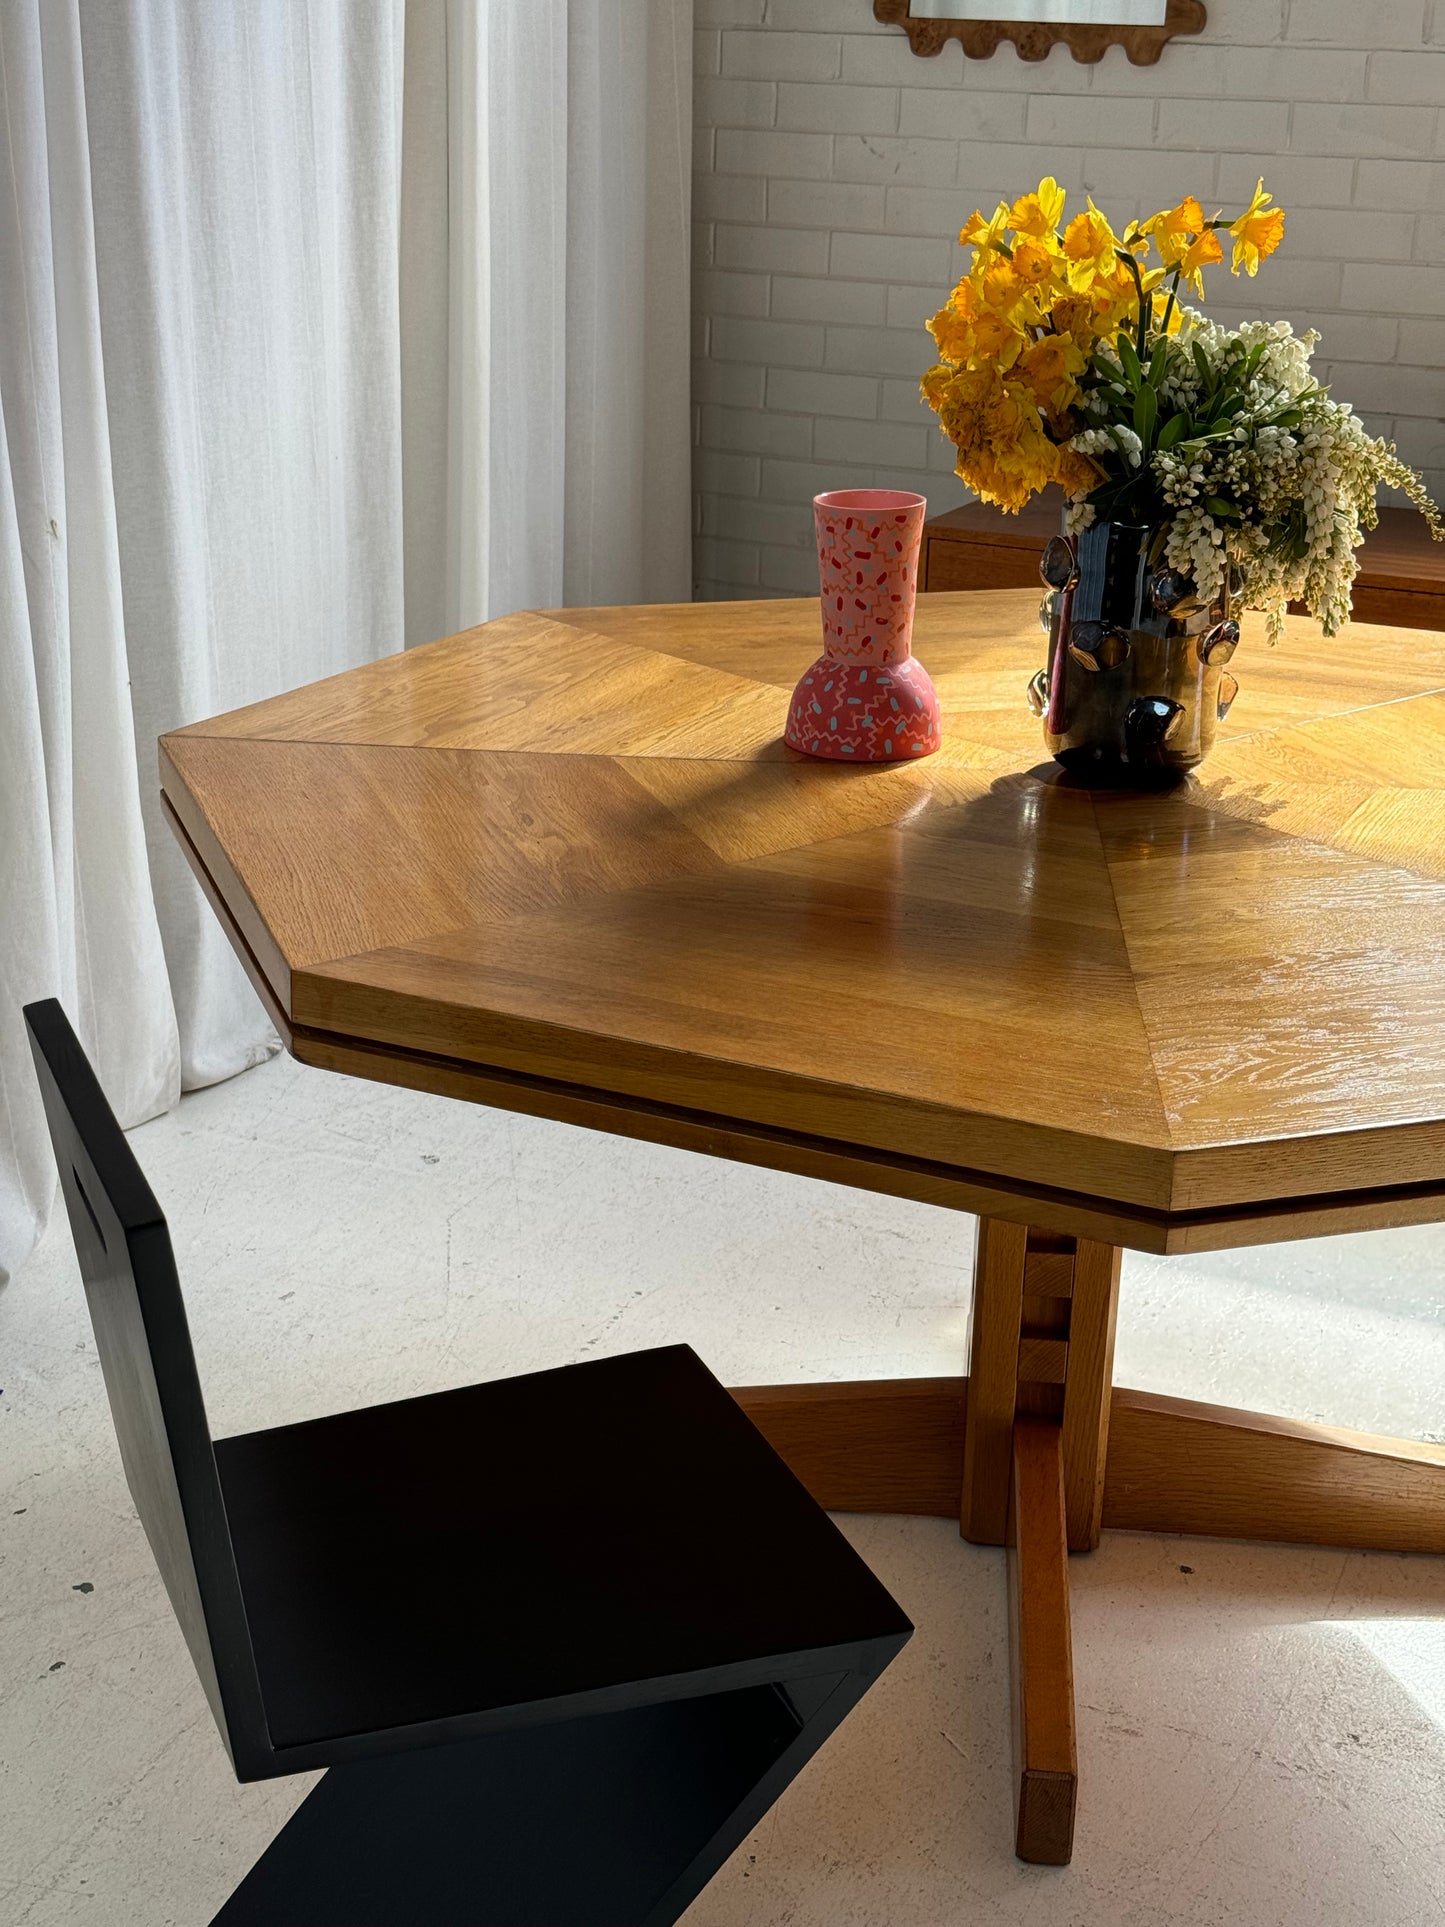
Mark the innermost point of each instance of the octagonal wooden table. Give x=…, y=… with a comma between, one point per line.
x=564, y=864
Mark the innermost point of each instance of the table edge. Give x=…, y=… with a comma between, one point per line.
x=1136, y=1226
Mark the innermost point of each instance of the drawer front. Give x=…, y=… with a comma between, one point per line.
x=979, y=565
x=1400, y=608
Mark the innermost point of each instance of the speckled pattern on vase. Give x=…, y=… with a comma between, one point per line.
x=866, y=700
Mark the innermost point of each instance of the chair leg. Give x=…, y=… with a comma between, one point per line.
x=618, y=1820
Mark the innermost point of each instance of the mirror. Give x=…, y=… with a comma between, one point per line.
x=1082, y=13
x=1086, y=27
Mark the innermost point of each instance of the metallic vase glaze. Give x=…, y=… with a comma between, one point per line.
x=1136, y=682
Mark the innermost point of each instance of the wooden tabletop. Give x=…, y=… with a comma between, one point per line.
x=571, y=851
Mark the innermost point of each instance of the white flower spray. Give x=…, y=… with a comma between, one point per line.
x=1284, y=488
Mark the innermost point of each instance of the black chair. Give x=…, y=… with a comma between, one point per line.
x=561, y=1640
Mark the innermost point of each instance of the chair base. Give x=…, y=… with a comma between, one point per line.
x=618, y=1820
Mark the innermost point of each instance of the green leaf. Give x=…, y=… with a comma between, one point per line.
x=1221, y=510
x=1201, y=362
x=1146, y=415
x=1223, y=410
x=1105, y=495
x=1128, y=355
x=1158, y=364
x=1172, y=431
x=1111, y=490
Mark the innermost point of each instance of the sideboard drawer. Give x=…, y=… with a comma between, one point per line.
x=979, y=565
x=1401, y=579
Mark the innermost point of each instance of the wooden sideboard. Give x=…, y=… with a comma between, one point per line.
x=1401, y=579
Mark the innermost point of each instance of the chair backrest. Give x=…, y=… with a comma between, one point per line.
x=145, y=1351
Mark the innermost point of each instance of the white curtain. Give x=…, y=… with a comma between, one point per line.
x=629, y=457
x=545, y=322
x=324, y=327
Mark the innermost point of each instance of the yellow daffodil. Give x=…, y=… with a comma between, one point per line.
x=998, y=340
x=1185, y=241
x=1257, y=232
x=1017, y=333
x=1174, y=228
x=1050, y=366
x=934, y=387
x=1112, y=297
x=1004, y=453
x=1075, y=472
x=1162, y=305
x=1013, y=458
x=1073, y=315
x=1033, y=263
x=953, y=333
x=1136, y=239
x=1000, y=288
x=1089, y=248
x=985, y=234
x=1201, y=253
x=1040, y=213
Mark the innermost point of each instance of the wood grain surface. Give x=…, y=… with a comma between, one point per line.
x=874, y=1445
x=570, y=847
x=1046, y=1762
x=993, y=1375
x=1176, y=1466
x=1093, y=1314
x=1173, y=1465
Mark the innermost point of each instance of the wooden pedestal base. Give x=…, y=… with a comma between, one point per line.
x=1034, y=1449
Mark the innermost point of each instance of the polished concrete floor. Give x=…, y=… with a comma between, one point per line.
x=1262, y=1729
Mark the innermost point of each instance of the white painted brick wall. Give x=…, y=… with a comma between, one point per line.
x=834, y=169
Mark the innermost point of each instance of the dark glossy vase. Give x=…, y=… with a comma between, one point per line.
x=1136, y=681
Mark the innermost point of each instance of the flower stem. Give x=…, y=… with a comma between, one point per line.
x=1133, y=267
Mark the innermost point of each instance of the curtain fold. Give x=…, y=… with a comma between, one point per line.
x=629, y=154
x=325, y=328
x=244, y=161
x=77, y=917
x=545, y=324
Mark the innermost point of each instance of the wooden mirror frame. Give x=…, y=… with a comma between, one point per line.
x=1034, y=39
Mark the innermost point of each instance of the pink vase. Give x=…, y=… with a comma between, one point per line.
x=865, y=700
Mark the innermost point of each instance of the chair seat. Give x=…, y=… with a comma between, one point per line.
x=607, y=1525
x=560, y=1641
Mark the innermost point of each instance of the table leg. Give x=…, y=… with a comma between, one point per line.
x=1036, y=1450
x=1036, y=1436
x=993, y=1380
x=1046, y=1772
